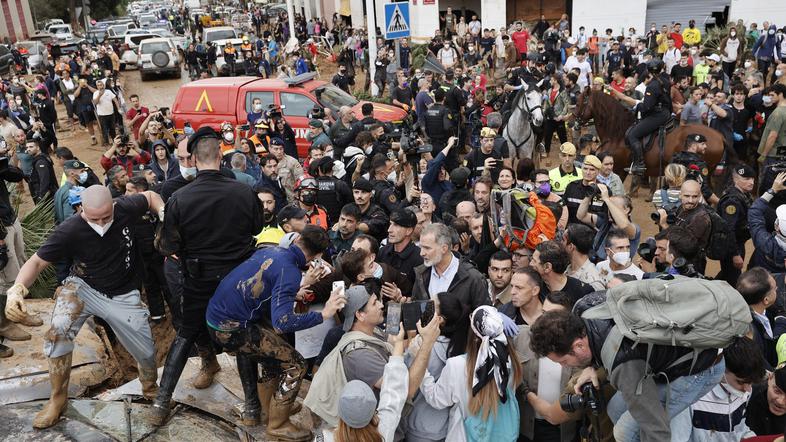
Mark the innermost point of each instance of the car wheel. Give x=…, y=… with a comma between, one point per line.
x=160, y=59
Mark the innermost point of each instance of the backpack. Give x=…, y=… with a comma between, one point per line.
x=718, y=244
x=676, y=311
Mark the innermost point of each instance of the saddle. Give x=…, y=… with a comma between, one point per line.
x=662, y=131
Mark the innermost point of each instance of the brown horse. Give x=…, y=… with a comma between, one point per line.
x=612, y=120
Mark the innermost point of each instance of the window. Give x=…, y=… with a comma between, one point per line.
x=266, y=97
x=138, y=38
x=151, y=48
x=296, y=105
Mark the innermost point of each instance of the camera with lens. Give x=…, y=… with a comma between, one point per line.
x=124, y=139
x=671, y=213
x=778, y=167
x=593, y=191
x=589, y=398
x=647, y=249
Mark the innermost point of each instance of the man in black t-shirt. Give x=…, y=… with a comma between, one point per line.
x=102, y=283
x=484, y=157
x=551, y=260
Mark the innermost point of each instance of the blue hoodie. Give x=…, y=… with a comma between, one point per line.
x=766, y=46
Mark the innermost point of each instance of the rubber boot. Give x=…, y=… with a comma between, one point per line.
x=279, y=427
x=266, y=391
x=173, y=367
x=6, y=351
x=249, y=376
x=207, y=371
x=59, y=375
x=148, y=378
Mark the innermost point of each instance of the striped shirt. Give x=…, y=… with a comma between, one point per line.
x=720, y=416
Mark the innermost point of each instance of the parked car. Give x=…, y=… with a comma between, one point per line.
x=129, y=56
x=36, y=55
x=220, y=36
x=61, y=31
x=158, y=56
x=6, y=60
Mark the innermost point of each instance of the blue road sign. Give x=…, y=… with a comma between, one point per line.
x=397, y=20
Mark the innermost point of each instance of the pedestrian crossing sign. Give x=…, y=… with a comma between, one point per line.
x=397, y=20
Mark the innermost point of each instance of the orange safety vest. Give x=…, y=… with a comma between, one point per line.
x=245, y=47
x=257, y=142
x=229, y=50
x=226, y=147
x=318, y=217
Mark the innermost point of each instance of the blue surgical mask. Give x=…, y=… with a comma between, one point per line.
x=378, y=271
x=82, y=177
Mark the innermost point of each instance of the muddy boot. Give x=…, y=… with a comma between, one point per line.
x=249, y=376
x=59, y=374
x=12, y=332
x=266, y=391
x=175, y=361
x=6, y=351
x=279, y=427
x=31, y=321
x=209, y=368
x=148, y=378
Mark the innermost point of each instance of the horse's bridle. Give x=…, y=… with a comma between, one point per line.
x=528, y=109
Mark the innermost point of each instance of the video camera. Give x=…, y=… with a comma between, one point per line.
x=274, y=111
x=589, y=397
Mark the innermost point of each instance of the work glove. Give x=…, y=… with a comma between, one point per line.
x=737, y=137
x=15, y=305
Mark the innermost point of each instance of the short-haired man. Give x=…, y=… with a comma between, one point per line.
x=250, y=318
x=759, y=289
x=636, y=409
x=373, y=219
x=692, y=215
x=288, y=169
x=773, y=138
x=117, y=178
x=292, y=219
x=525, y=305
x=766, y=411
x=618, y=257
x=345, y=230
x=577, y=190
x=500, y=271
x=400, y=251
x=578, y=239
x=551, y=261
x=733, y=208
x=103, y=285
x=443, y=272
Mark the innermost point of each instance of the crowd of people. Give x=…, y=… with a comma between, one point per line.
x=431, y=286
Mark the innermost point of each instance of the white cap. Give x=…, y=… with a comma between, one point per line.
x=780, y=212
x=714, y=57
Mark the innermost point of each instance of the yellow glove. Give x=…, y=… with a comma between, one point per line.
x=15, y=305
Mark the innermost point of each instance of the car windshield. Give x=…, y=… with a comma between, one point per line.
x=332, y=97
x=220, y=35
x=151, y=48
x=30, y=46
x=59, y=30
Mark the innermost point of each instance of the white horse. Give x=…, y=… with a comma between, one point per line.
x=526, y=111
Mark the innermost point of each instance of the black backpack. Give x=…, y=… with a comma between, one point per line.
x=718, y=244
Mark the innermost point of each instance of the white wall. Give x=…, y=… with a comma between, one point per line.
x=614, y=14
x=773, y=11
x=424, y=20
x=493, y=13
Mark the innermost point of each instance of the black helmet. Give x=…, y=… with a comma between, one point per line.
x=655, y=66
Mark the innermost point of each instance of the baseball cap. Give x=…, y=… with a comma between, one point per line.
x=714, y=57
x=780, y=378
x=276, y=141
x=357, y=404
x=459, y=176
x=567, y=148
x=592, y=160
x=74, y=165
x=745, y=171
x=357, y=297
x=697, y=138
x=362, y=184
x=288, y=212
x=404, y=218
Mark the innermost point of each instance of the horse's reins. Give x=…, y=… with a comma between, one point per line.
x=528, y=111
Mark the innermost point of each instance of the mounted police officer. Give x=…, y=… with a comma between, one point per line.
x=655, y=111
x=733, y=208
x=692, y=157
x=439, y=126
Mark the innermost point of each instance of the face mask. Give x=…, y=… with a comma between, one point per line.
x=621, y=258
x=748, y=64
x=778, y=73
x=188, y=172
x=544, y=190
x=731, y=390
x=100, y=230
x=378, y=271
x=732, y=34
x=229, y=137
x=82, y=176
x=652, y=29
x=257, y=107
x=692, y=26
x=693, y=51
x=309, y=198
x=392, y=177
x=766, y=99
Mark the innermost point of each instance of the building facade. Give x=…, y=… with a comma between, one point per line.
x=17, y=22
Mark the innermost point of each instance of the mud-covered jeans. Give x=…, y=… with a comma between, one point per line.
x=124, y=313
x=279, y=359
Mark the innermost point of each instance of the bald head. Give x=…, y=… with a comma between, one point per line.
x=690, y=194
x=465, y=210
x=97, y=205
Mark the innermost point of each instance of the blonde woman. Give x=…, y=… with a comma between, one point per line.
x=675, y=175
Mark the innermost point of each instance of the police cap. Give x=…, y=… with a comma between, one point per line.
x=202, y=132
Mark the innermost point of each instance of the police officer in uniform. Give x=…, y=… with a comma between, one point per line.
x=332, y=193
x=196, y=229
x=733, y=208
x=692, y=157
x=439, y=126
x=655, y=111
x=385, y=193
x=306, y=190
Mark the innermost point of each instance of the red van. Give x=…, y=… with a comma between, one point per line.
x=215, y=100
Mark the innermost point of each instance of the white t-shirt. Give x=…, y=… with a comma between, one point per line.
x=670, y=58
x=584, y=67
x=606, y=273
x=104, y=105
x=549, y=381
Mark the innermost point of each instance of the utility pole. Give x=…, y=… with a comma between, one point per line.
x=371, y=27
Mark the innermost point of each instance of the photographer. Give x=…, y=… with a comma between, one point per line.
x=154, y=128
x=693, y=216
x=573, y=341
x=617, y=215
x=484, y=160
x=124, y=152
x=769, y=249
x=578, y=190
x=652, y=253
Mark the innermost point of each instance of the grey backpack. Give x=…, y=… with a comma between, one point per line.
x=680, y=311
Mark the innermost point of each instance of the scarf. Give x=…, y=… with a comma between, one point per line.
x=492, y=360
